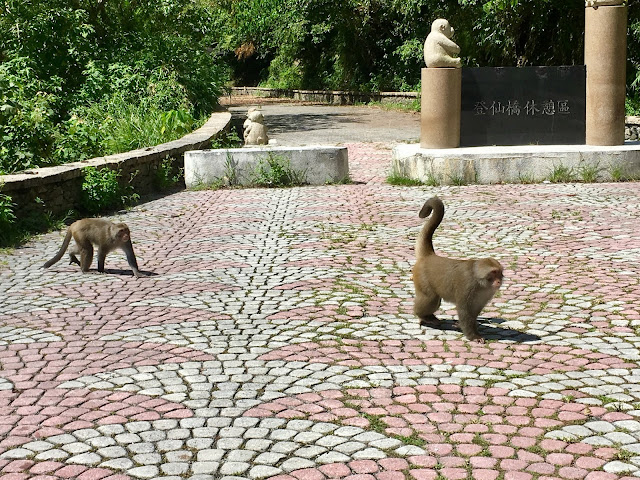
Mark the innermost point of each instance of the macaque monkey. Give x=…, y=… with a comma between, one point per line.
x=469, y=284
x=105, y=235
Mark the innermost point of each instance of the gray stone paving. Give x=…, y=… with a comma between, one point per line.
x=275, y=339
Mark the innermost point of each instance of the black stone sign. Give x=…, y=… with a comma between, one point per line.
x=523, y=106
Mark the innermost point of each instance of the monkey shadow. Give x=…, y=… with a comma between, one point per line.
x=127, y=272
x=491, y=332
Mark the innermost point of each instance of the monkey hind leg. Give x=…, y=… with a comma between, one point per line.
x=424, y=307
x=73, y=258
x=86, y=256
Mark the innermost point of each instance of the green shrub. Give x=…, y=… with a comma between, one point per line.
x=275, y=171
x=167, y=176
x=13, y=230
x=27, y=116
x=101, y=190
x=7, y=217
x=134, y=110
x=402, y=181
x=561, y=174
x=83, y=79
x=226, y=140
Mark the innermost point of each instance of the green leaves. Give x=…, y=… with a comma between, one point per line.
x=377, y=45
x=74, y=75
x=102, y=190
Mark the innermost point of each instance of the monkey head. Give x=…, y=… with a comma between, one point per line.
x=122, y=233
x=255, y=116
x=489, y=272
x=440, y=25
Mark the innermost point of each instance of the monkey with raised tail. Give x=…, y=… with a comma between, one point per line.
x=105, y=235
x=469, y=284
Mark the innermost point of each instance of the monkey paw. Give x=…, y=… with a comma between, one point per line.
x=429, y=321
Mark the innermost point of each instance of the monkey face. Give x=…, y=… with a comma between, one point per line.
x=494, y=278
x=123, y=235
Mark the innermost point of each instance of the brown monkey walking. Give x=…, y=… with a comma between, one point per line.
x=105, y=235
x=469, y=284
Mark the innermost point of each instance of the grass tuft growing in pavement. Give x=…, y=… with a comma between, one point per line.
x=401, y=181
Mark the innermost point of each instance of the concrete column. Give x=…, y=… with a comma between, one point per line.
x=605, y=55
x=440, y=107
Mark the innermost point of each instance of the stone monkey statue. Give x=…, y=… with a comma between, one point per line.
x=439, y=50
x=255, y=132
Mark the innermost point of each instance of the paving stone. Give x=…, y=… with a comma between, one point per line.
x=276, y=339
x=144, y=472
x=296, y=463
x=233, y=468
x=264, y=471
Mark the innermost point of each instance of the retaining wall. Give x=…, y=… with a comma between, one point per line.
x=333, y=97
x=59, y=189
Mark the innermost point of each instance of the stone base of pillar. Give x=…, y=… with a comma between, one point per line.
x=440, y=107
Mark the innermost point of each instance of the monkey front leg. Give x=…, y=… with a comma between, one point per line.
x=468, y=323
x=127, y=248
x=102, y=255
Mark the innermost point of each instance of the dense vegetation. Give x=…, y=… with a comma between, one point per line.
x=377, y=44
x=81, y=78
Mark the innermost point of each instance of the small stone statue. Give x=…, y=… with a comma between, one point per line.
x=601, y=3
x=255, y=132
x=439, y=50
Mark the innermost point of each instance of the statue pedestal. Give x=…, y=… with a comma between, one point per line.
x=440, y=107
x=605, y=55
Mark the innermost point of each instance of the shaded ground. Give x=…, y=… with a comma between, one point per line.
x=294, y=123
x=276, y=340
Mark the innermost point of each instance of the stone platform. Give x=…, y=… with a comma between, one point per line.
x=317, y=165
x=517, y=164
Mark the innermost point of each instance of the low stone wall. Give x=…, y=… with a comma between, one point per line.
x=316, y=165
x=632, y=129
x=59, y=189
x=335, y=97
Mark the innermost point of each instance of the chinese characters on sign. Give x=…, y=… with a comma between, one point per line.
x=523, y=106
x=531, y=107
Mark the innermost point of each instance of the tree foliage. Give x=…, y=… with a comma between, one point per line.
x=377, y=44
x=80, y=78
x=76, y=74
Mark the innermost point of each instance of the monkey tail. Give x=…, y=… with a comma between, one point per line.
x=424, y=243
x=63, y=248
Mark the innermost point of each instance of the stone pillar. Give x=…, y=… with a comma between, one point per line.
x=440, y=107
x=605, y=55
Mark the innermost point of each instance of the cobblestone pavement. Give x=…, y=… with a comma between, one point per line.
x=275, y=340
